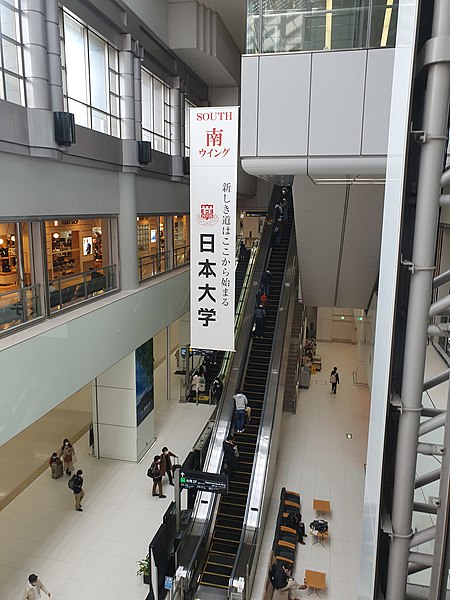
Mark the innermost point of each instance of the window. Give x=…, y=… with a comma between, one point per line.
x=155, y=112
x=187, y=129
x=12, y=87
x=90, y=76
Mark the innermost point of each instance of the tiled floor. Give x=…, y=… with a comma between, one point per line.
x=92, y=555
x=317, y=460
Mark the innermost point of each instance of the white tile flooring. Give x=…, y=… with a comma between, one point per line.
x=92, y=555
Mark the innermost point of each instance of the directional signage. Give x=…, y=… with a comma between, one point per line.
x=168, y=582
x=204, y=482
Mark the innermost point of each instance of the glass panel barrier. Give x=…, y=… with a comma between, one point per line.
x=153, y=264
x=71, y=289
x=312, y=25
x=181, y=256
x=19, y=306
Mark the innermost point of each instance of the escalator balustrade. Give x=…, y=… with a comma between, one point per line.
x=231, y=511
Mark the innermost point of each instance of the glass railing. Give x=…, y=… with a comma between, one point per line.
x=153, y=264
x=181, y=256
x=66, y=291
x=312, y=25
x=19, y=306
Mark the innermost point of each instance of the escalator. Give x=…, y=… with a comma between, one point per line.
x=226, y=535
x=241, y=270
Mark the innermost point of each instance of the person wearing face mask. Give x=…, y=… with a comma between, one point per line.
x=34, y=587
x=67, y=455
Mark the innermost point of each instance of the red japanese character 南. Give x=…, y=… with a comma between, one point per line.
x=214, y=137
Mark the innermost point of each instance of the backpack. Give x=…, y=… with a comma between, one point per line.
x=153, y=471
x=332, y=378
x=71, y=482
x=319, y=525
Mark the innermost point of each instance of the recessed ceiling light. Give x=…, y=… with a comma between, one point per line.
x=349, y=436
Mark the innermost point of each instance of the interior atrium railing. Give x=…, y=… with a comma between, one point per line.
x=312, y=25
x=153, y=264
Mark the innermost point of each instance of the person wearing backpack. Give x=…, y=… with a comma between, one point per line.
x=75, y=483
x=334, y=380
x=154, y=472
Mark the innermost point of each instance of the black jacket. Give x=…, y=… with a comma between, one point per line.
x=77, y=484
x=280, y=579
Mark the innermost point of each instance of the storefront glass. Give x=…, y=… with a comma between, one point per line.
x=78, y=260
x=152, y=255
x=181, y=242
x=19, y=296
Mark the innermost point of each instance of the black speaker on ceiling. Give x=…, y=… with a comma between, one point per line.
x=64, y=128
x=186, y=165
x=144, y=153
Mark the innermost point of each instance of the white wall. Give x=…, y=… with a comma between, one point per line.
x=335, y=325
x=153, y=13
x=69, y=351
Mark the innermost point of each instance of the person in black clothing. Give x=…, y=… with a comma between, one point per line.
x=266, y=278
x=216, y=389
x=230, y=455
x=259, y=321
x=282, y=582
x=334, y=380
x=241, y=249
x=155, y=474
x=78, y=489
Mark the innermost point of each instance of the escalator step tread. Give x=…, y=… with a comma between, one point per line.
x=213, y=580
x=229, y=549
x=222, y=559
x=214, y=568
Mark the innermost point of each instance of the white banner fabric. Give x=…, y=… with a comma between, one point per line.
x=213, y=189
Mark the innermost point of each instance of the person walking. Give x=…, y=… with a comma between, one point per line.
x=266, y=278
x=195, y=386
x=242, y=249
x=230, y=455
x=334, y=380
x=67, y=454
x=77, y=488
x=216, y=390
x=155, y=473
x=259, y=315
x=34, y=588
x=166, y=464
x=240, y=401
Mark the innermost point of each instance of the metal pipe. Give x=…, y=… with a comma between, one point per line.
x=436, y=380
x=427, y=478
x=419, y=558
x=421, y=537
x=442, y=278
x=438, y=330
x=424, y=507
x=435, y=121
x=439, y=306
x=444, y=200
x=430, y=449
x=432, y=424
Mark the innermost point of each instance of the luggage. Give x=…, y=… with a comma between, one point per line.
x=57, y=470
x=248, y=414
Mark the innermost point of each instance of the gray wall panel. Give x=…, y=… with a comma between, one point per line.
x=160, y=197
x=249, y=104
x=337, y=97
x=35, y=187
x=377, y=102
x=283, y=104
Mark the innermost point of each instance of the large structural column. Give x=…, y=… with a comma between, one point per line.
x=128, y=232
x=54, y=55
x=35, y=53
x=127, y=88
x=435, y=127
x=177, y=129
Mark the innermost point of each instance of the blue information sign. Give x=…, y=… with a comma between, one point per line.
x=168, y=582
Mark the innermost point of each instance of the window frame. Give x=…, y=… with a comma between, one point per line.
x=15, y=6
x=149, y=134
x=111, y=71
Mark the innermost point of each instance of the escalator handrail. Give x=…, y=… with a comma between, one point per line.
x=206, y=503
x=270, y=391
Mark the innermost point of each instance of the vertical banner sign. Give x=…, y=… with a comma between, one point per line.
x=213, y=169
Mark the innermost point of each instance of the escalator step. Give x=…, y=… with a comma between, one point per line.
x=215, y=580
x=217, y=569
x=229, y=549
x=221, y=559
x=227, y=535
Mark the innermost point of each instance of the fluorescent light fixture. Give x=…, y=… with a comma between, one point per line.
x=328, y=23
x=349, y=181
x=386, y=22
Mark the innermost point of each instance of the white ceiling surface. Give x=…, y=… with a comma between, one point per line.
x=233, y=15
x=338, y=249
